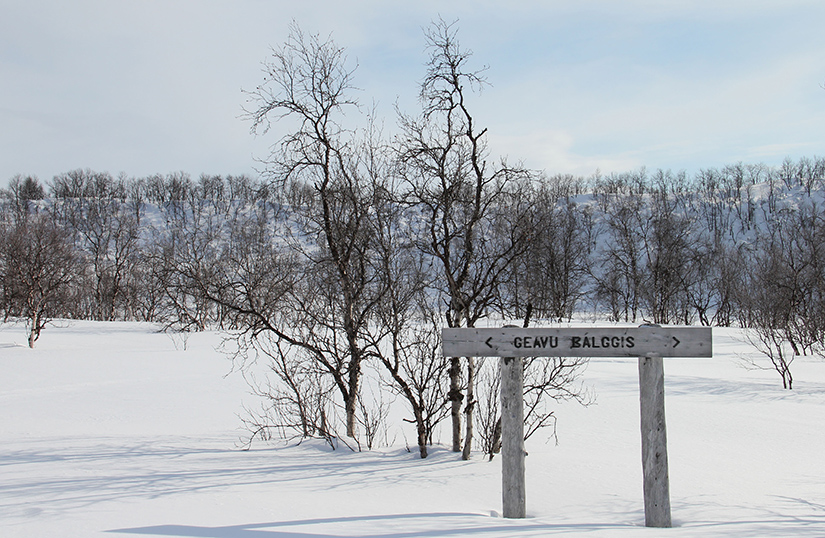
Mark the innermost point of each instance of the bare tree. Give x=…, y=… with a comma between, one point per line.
x=457, y=189
x=489, y=409
x=92, y=206
x=620, y=277
x=783, y=293
x=297, y=401
x=406, y=339
x=668, y=240
x=22, y=197
x=255, y=280
x=552, y=274
x=546, y=380
x=40, y=265
x=308, y=81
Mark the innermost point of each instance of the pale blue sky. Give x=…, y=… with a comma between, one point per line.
x=147, y=86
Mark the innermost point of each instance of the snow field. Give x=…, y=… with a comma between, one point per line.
x=115, y=429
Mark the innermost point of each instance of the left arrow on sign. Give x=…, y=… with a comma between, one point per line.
x=488, y=342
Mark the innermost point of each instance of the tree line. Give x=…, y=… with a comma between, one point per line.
x=338, y=266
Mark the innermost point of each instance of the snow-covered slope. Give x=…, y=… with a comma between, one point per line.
x=114, y=429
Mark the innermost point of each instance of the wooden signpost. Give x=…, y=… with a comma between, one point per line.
x=649, y=343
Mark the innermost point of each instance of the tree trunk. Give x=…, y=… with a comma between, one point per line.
x=351, y=423
x=495, y=445
x=422, y=433
x=455, y=398
x=354, y=374
x=34, y=333
x=468, y=409
x=351, y=400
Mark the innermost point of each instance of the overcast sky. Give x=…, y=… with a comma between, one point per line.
x=154, y=86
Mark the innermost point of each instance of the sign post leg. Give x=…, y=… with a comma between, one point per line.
x=654, y=442
x=512, y=437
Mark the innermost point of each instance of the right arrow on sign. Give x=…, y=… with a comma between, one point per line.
x=676, y=340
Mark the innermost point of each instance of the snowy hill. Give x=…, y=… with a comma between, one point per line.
x=115, y=429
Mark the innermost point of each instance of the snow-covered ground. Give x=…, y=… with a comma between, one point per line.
x=113, y=429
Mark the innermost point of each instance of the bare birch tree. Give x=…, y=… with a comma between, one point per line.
x=40, y=265
x=308, y=85
x=456, y=189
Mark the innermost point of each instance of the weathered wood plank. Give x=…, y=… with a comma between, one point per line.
x=629, y=342
x=656, y=482
x=513, y=489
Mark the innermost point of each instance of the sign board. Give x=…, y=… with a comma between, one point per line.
x=650, y=344
x=644, y=341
